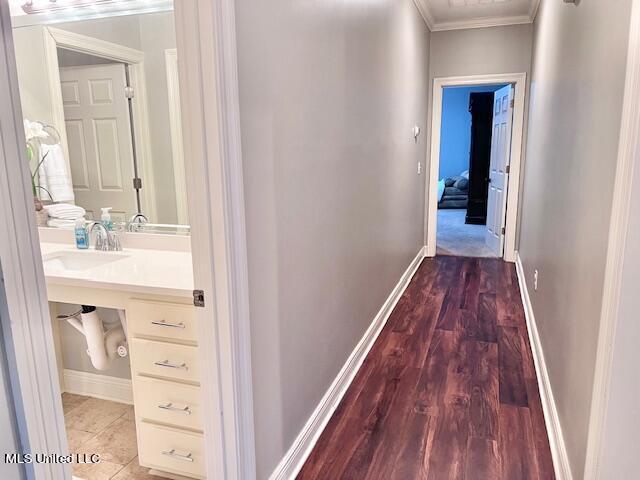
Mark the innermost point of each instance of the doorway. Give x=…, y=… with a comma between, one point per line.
x=474, y=165
x=26, y=316
x=99, y=134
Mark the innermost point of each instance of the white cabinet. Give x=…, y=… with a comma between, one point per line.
x=166, y=386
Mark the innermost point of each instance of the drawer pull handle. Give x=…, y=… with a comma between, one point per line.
x=184, y=457
x=170, y=406
x=167, y=364
x=164, y=323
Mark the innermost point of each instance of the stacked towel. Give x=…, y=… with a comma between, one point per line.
x=57, y=223
x=64, y=215
x=65, y=211
x=53, y=174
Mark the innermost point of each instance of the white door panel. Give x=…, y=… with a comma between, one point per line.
x=498, y=169
x=99, y=137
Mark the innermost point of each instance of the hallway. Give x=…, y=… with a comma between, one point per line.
x=448, y=390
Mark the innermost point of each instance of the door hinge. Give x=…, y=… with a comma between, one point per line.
x=504, y=230
x=137, y=183
x=508, y=169
x=198, y=298
x=512, y=103
x=128, y=92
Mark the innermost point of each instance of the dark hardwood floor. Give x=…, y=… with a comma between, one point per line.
x=448, y=390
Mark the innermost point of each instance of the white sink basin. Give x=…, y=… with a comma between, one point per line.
x=79, y=260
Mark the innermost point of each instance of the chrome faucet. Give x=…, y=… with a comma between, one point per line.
x=106, y=240
x=137, y=222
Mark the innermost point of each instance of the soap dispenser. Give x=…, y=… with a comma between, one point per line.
x=82, y=234
x=106, y=218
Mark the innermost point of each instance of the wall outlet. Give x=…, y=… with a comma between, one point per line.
x=535, y=280
x=419, y=168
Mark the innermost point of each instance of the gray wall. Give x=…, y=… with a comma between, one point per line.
x=69, y=58
x=577, y=88
x=480, y=51
x=329, y=93
x=157, y=34
x=620, y=444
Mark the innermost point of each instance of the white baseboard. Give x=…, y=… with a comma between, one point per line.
x=98, y=386
x=297, y=454
x=561, y=463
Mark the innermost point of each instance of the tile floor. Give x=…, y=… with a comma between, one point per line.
x=108, y=429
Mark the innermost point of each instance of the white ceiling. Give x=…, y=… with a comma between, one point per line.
x=458, y=14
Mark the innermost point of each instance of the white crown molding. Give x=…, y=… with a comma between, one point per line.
x=423, y=8
x=483, y=22
x=533, y=13
x=94, y=46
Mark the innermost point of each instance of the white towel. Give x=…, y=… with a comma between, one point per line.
x=65, y=211
x=54, y=175
x=57, y=223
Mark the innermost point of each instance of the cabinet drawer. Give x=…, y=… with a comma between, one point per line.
x=162, y=319
x=171, y=450
x=179, y=362
x=168, y=402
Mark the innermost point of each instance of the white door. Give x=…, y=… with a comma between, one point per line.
x=98, y=125
x=498, y=169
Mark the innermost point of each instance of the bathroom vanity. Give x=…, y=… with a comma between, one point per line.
x=155, y=290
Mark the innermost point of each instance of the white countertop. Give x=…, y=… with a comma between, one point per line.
x=152, y=272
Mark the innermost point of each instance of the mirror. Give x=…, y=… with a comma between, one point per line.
x=101, y=107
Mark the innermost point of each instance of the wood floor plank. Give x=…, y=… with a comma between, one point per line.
x=510, y=312
x=459, y=374
x=451, y=280
x=432, y=386
x=362, y=420
x=513, y=390
x=489, y=275
x=448, y=390
x=420, y=341
x=389, y=439
x=412, y=460
x=516, y=444
x=471, y=285
x=483, y=460
x=449, y=451
x=483, y=387
x=480, y=324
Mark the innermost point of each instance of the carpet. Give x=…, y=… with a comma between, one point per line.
x=454, y=237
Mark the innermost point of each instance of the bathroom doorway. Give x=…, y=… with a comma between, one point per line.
x=41, y=266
